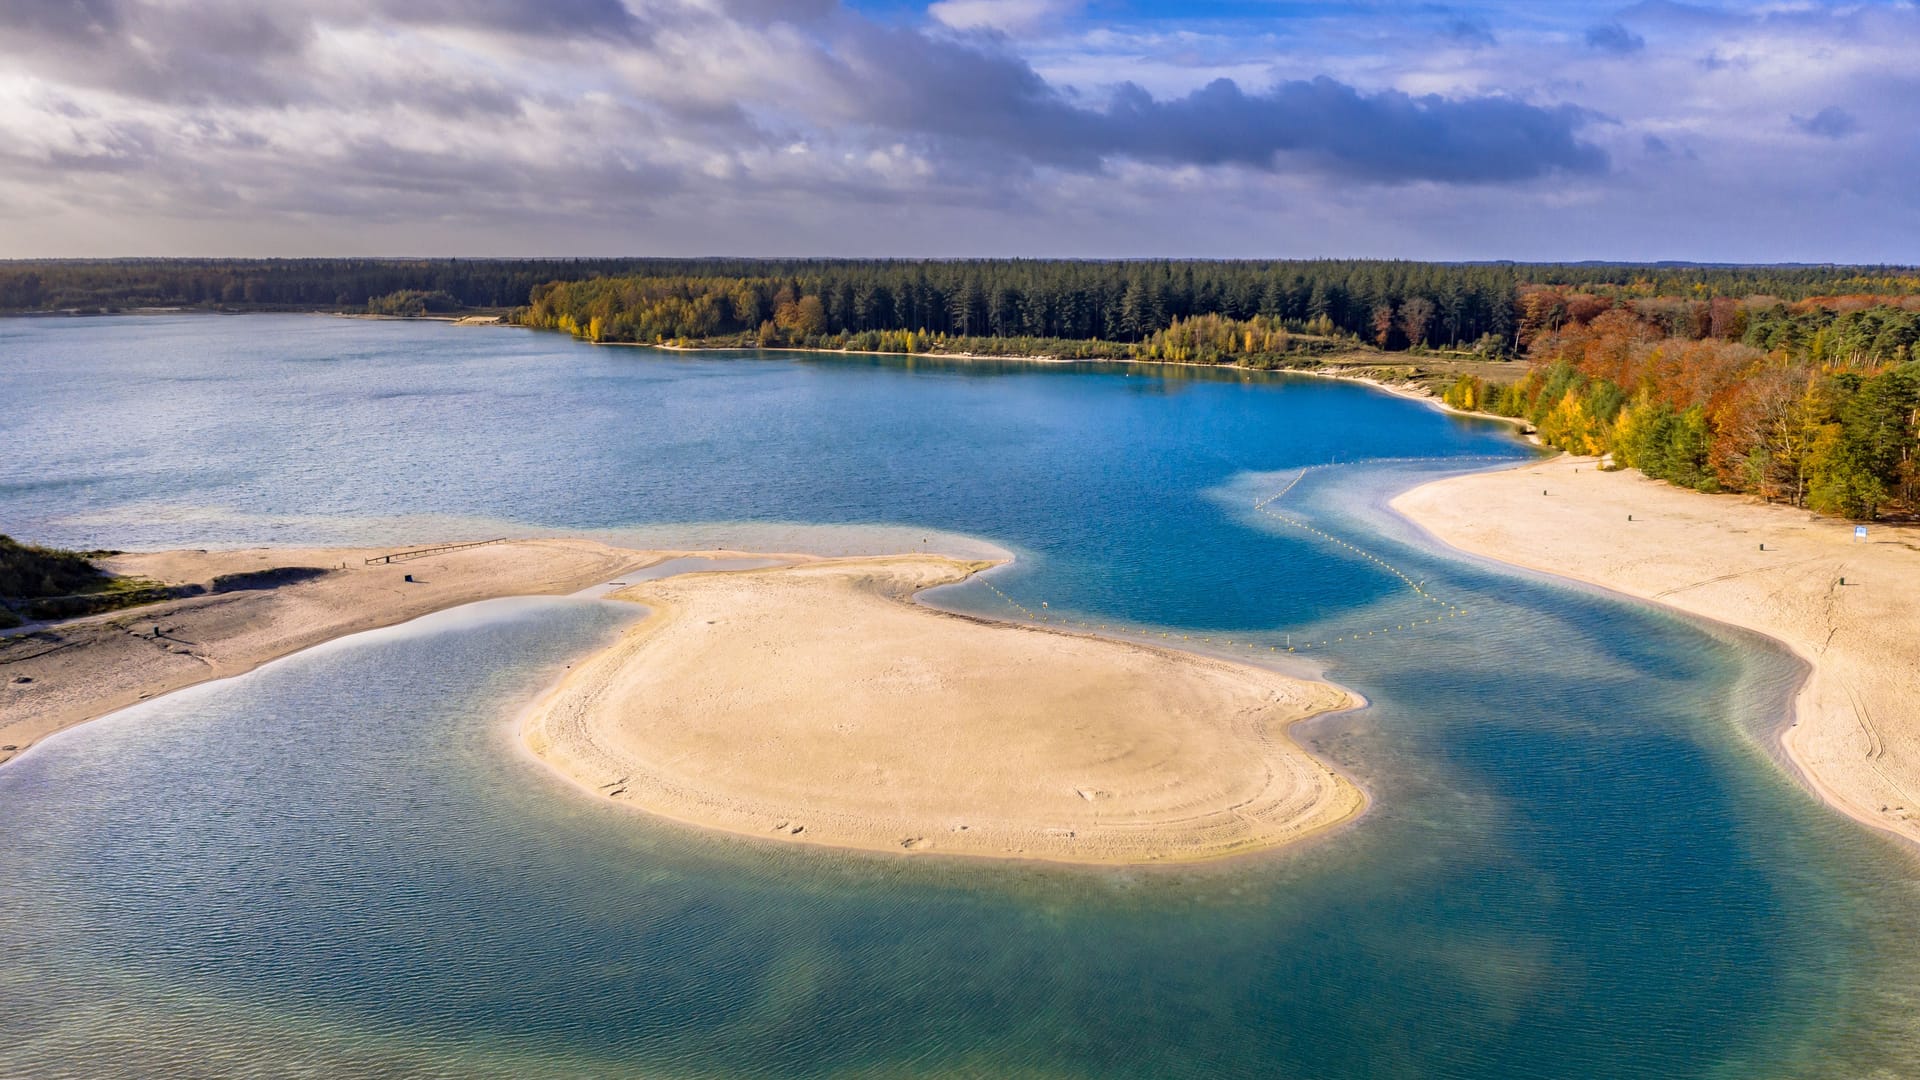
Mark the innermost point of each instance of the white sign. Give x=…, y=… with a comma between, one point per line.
x=1859, y=532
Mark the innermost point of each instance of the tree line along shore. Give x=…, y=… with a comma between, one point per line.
x=1814, y=404
x=1795, y=384
x=1391, y=305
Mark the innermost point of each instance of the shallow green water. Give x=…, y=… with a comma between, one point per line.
x=1581, y=860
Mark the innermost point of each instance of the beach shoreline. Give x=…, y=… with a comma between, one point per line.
x=1852, y=734
x=1255, y=791
x=1410, y=392
x=60, y=675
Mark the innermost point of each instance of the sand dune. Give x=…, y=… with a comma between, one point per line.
x=1856, y=730
x=810, y=704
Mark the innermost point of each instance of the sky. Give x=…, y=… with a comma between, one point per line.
x=1765, y=132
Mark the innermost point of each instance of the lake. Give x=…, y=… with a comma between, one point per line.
x=1581, y=860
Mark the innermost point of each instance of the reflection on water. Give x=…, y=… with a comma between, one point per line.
x=1580, y=861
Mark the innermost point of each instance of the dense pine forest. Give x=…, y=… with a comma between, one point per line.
x=663, y=299
x=1797, y=384
x=282, y=284
x=1389, y=305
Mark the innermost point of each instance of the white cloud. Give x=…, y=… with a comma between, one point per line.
x=662, y=126
x=1009, y=16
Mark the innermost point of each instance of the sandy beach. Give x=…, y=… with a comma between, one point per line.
x=815, y=705
x=1855, y=733
x=74, y=671
x=812, y=702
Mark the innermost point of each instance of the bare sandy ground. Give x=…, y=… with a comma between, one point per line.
x=811, y=704
x=1855, y=736
x=74, y=671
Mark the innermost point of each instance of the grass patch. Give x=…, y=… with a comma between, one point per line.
x=28, y=570
x=39, y=583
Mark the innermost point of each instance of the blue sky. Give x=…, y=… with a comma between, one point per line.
x=1782, y=131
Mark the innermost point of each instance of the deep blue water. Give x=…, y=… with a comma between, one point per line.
x=1580, y=862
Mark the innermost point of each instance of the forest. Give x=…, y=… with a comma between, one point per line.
x=62, y=285
x=900, y=306
x=1389, y=304
x=1813, y=404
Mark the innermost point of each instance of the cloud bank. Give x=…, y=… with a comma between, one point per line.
x=962, y=127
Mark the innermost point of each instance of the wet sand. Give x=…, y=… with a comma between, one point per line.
x=1855, y=733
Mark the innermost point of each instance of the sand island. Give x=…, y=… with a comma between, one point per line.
x=1849, y=607
x=811, y=702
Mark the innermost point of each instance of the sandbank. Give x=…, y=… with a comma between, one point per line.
x=1855, y=733
x=1414, y=392
x=811, y=702
x=814, y=704
x=69, y=672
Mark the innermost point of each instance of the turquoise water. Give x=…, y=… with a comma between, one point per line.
x=1581, y=859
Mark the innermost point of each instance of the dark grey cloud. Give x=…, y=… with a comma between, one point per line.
x=219, y=26
x=1614, y=38
x=549, y=18
x=966, y=90
x=1832, y=122
x=964, y=97
x=253, y=53
x=797, y=12
x=1387, y=136
x=211, y=51
x=69, y=19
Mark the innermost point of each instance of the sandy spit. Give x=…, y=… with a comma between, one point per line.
x=1411, y=392
x=70, y=672
x=1855, y=733
x=814, y=704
